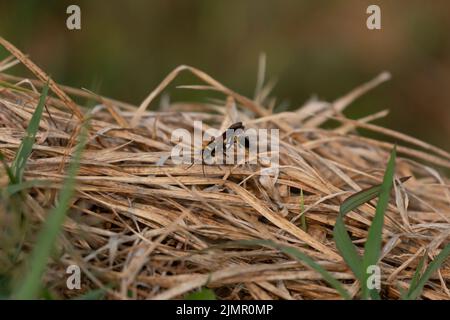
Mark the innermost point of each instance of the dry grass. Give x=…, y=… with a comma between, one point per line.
x=141, y=230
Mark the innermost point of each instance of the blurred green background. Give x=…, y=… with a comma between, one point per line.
x=313, y=47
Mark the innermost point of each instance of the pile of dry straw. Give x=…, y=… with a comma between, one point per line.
x=140, y=230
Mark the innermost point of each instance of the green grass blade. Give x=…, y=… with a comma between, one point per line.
x=26, y=146
x=372, y=248
x=414, y=292
x=96, y=294
x=12, y=189
x=302, y=209
x=8, y=170
x=203, y=294
x=374, y=295
x=14, y=87
x=358, y=199
x=403, y=293
x=416, y=277
x=347, y=249
x=361, y=197
x=300, y=256
x=341, y=237
x=30, y=286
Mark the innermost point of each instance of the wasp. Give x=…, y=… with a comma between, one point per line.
x=222, y=143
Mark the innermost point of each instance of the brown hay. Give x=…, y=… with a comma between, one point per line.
x=144, y=228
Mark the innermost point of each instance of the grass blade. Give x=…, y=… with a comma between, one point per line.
x=30, y=286
x=12, y=189
x=14, y=87
x=372, y=248
x=347, y=249
x=416, y=276
x=416, y=290
x=96, y=294
x=341, y=237
x=302, y=209
x=26, y=146
x=358, y=199
x=203, y=294
x=300, y=256
x=361, y=197
x=8, y=170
